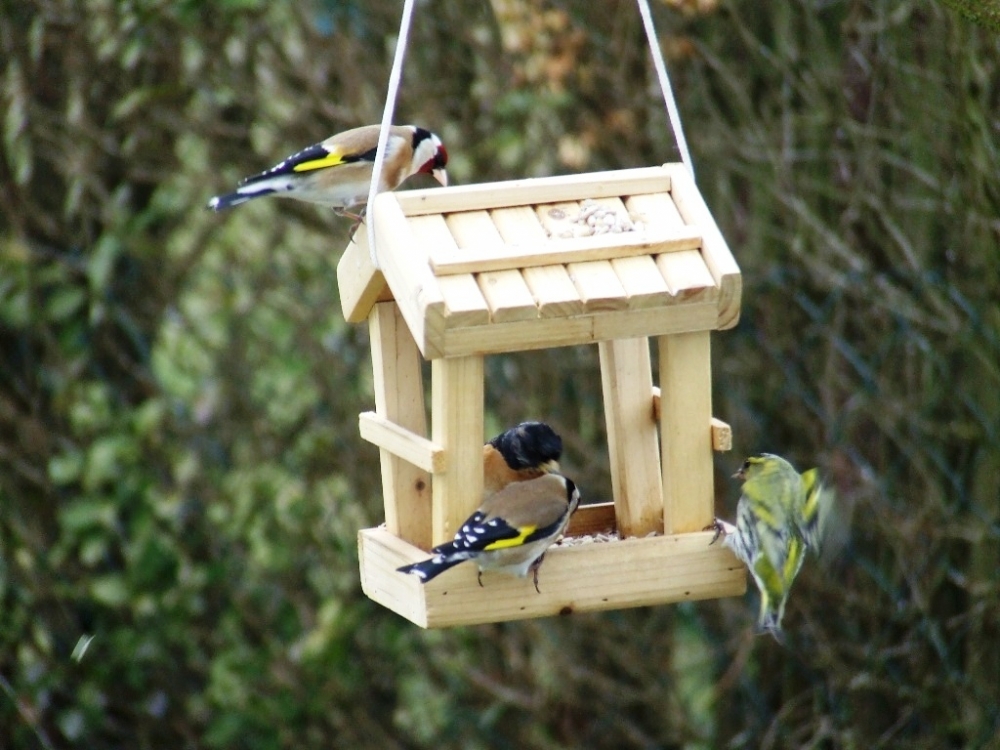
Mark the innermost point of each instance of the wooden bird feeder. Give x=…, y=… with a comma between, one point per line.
x=498, y=267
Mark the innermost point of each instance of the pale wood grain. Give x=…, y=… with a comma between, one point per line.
x=643, y=284
x=399, y=398
x=379, y=554
x=629, y=324
x=550, y=285
x=687, y=277
x=722, y=433
x=477, y=258
x=463, y=300
x=457, y=426
x=507, y=295
x=640, y=278
x=579, y=578
x=657, y=212
x=361, y=284
x=626, y=378
x=401, y=442
x=584, y=329
x=598, y=286
x=505, y=291
x=686, y=444
x=554, y=292
x=595, y=518
x=534, y=190
x=722, y=436
x=404, y=264
x=718, y=258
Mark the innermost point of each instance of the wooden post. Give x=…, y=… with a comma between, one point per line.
x=399, y=398
x=635, y=468
x=457, y=426
x=685, y=431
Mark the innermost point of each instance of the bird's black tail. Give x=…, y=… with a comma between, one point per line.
x=222, y=202
x=436, y=565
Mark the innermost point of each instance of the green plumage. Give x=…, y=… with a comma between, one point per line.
x=779, y=516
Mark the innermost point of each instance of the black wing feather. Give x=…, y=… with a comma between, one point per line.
x=476, y=534
x=310, y=153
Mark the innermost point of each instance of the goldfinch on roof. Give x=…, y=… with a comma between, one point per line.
x=338, y=171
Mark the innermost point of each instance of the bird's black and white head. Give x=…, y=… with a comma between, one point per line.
x=429, y=155
x=530, y=445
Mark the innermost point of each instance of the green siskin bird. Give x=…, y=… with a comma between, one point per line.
x=779, y=516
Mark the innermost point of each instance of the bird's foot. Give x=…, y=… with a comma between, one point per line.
x=354, y=228
x=720, y=528
x=534, y=571
x=357, y=218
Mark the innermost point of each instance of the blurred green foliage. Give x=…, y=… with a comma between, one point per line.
x=985, y=12
x=181, y=478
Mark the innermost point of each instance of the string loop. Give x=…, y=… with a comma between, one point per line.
x=397, y=71
x=665, y=88
x=383, y=134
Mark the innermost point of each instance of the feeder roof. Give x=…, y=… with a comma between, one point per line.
x=545, y=262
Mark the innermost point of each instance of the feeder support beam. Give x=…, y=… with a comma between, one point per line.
x=685, y=433
x=399, y=398
x=632, y=448
x=457, y=426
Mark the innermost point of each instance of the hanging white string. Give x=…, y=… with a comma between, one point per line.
x=396, y=74
x=383, y=133
x=668, y=93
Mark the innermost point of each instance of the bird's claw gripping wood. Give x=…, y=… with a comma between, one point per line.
x=534, y=571
x=718, y=528
x=358, y=218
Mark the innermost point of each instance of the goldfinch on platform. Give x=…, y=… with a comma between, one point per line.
x=778, y=517
x=338, y=171
x=523, y=452
x=510, y=531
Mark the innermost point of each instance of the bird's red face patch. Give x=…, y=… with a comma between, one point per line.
x=440, y=161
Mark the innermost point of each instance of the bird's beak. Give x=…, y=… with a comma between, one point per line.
x=441, y=176
x=740, y=474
